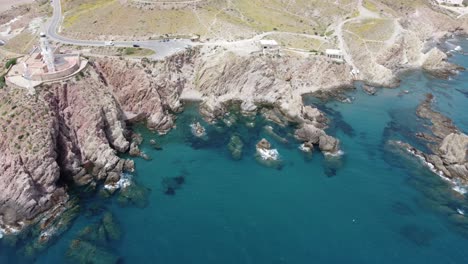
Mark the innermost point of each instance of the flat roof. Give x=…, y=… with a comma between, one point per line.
x=334, y=52
x=270, y=42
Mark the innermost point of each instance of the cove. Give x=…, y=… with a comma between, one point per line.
x=371, y=205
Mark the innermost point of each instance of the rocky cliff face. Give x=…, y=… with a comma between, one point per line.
x=28, y=168
x=259, y=80
x=149, y=90
x=72, y=132
x=67, y=132
x=416, y=33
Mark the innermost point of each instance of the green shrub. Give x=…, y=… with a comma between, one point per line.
x=10, y=62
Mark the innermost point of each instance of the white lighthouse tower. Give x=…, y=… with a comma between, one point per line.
x=47, y=53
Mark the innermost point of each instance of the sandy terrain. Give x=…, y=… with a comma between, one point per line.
x=7, y=4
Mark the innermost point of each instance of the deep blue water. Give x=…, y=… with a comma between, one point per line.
x=372, y=205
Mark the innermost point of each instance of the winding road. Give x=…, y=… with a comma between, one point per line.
x=160, y=47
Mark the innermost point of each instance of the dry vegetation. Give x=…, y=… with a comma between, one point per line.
x=232, y=19
x=372, y=29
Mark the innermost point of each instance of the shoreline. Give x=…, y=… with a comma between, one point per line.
x=160, y=117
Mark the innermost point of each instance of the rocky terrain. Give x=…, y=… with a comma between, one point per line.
x=449, y=146
x=72, y=132
x=68, y=133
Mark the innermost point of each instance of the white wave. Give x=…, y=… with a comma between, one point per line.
x=304, y=148
x=334, y=154
x=268, y=154
x=48, y=233
x=8, y=230
x=124, y=182
x=457, y=186
x=460, y=189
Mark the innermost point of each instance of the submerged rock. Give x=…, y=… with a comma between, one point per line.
x=369, y=90
x=171, y=184
x=236, y=146
x=134, y=195
x=83, y=252
x=155, y=144
x=102, y=232
x=271, y=132
x=49, y=229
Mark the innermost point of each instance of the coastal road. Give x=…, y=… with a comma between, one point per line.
x=160, y=47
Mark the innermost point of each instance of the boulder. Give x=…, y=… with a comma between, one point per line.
x=263, y=144
x=454, y=148
x=309, y=133
x=329, y=144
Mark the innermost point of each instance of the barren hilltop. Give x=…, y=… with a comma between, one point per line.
x=72, y=130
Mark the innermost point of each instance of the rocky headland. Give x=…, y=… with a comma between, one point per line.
x=448, y=156
x=72, y=132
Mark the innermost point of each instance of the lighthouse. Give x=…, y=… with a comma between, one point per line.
x=47, y=53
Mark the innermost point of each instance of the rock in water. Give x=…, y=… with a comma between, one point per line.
x=235, y=146
x=369, y=89
x=266, y=155
x=329, y=144
x=307, y=147
x=198, y=130
x=313, y=135
x=264, y=144
x=309, y=133
x=81, y=251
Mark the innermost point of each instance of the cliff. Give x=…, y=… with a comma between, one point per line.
x=69, y=132
x=72, y=132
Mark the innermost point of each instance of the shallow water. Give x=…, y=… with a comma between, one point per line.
x=372, y=205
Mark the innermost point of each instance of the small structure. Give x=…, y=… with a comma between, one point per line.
x=44, y=64
x=195, y=38
x=269, y=46
x=335, y=54
x=450, y=2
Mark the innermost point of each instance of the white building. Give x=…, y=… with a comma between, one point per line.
x=269, y=46
x=450, y=2
x=335, y=54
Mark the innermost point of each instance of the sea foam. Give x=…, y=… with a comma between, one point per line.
x=457, y=186
x=124, y=182
x=268, y=154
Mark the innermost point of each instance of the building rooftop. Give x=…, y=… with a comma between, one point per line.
x=270, y=42
x=334, y=52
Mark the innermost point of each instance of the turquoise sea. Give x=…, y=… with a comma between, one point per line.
x=371, y=205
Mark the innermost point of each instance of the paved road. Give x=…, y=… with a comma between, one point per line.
x=161, y=48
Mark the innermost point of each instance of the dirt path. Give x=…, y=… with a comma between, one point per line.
x=364, y=13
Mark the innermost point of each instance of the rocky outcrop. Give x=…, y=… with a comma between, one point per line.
x=68, y=133
x=73, y=131
x=28, y=169
x=149, y=90
x=449, y=146
x=256, y=81
x=310, y=134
